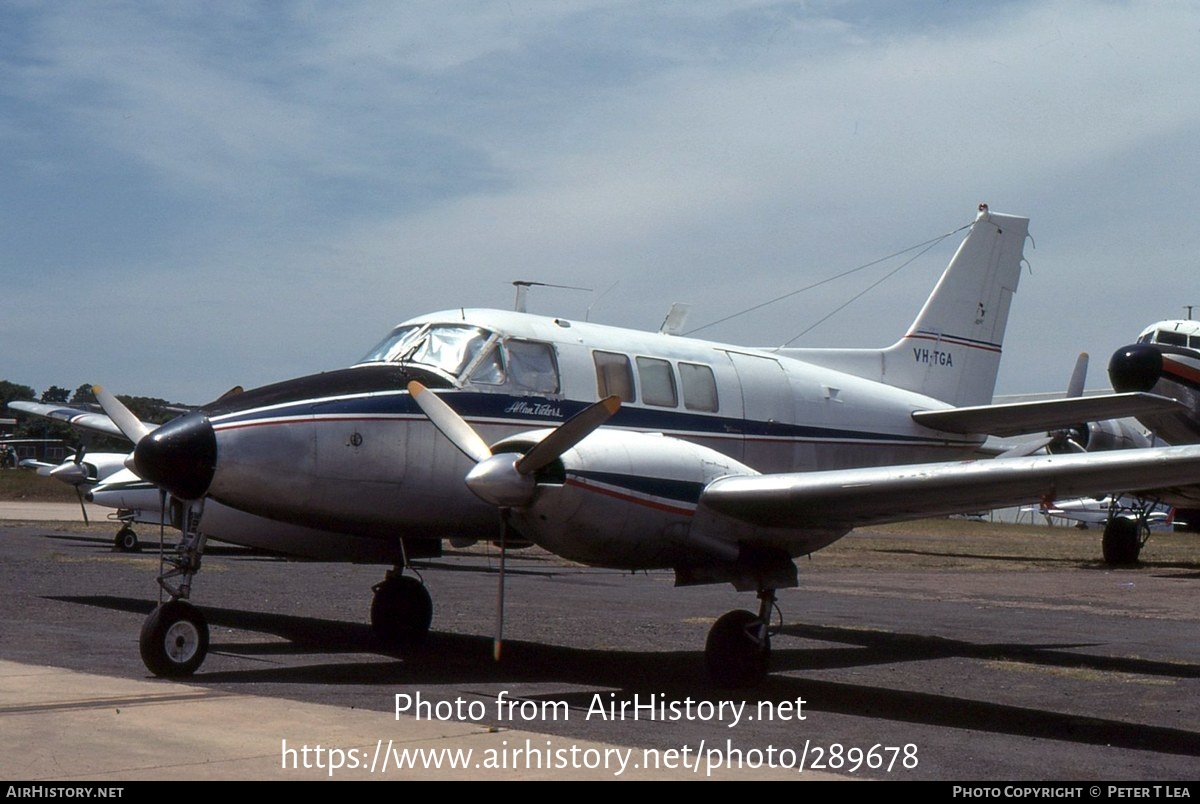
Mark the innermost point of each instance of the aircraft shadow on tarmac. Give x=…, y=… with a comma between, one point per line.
x=444, y=658
x=1066, y=562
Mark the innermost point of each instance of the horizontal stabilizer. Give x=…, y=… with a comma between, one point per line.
x=1030, y=417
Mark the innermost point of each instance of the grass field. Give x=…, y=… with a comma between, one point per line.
x=26, y=485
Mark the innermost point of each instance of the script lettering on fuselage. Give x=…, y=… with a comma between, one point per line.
x=934, y=357
x=540, y=409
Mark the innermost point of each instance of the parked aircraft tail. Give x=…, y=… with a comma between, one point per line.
x=952, y=350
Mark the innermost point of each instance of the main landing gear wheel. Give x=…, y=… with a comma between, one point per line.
x=1122, y=541
x=738, y=650
x=401, y=610
x=126, y=541
x=174, y=639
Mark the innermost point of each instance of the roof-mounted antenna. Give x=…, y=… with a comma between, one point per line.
x=523, y=286
x=1189, y=307
x=588, y=315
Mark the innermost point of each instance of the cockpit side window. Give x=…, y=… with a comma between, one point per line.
x=1171, y=338
x=489, y=368
x=613, y=375
x=531, y=366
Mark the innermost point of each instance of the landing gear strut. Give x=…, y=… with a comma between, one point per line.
x=738, y=650
x=402, y=609
x=174, y=638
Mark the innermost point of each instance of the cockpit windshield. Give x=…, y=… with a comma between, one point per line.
x=471, y=355
x=1174, y=333
x=394, y=344
x=449, y=348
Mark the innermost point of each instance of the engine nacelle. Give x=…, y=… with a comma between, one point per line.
x=625, y=500
x=1103, y=436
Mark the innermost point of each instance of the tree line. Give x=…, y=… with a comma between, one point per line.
x=148, y=409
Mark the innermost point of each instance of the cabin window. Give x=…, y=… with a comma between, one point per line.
x=613, y=375
x=657, y=382
x=699, y=387
x=531, y=366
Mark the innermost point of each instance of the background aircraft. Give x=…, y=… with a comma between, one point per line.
x=83, y=471
x=1087, y=511
x=631, y=450
x=1165, y=360
x=1127, y=519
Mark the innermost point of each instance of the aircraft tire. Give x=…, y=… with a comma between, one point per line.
x=735, y=658
x=1122, y=541
x=174, y=639
x=401, y=610
x=126, y=541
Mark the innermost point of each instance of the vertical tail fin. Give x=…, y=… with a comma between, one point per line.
x=952, y=351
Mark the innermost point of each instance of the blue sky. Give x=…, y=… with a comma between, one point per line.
x=201, y=195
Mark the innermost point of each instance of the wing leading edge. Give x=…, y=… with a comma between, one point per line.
x=850, y=498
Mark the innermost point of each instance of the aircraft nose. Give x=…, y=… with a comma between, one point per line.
x=180, y=456
x=1135, y=368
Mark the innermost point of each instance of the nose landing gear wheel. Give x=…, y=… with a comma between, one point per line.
x=126, y=541
x=174, y=639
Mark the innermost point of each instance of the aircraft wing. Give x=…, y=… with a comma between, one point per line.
x=849, y=498
x=85, y=419
x=1017, y=418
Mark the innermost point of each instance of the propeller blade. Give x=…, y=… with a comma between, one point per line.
x=1078, y=377
x=568, y=434
x=498, y=639
x=232, y=392
x=451, y=425
x=82, y=507
x=1027, y=448
x=121, y=416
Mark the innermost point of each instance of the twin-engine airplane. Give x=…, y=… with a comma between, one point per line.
x=630, y=450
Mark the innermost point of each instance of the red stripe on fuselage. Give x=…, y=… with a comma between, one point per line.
x=626, y=497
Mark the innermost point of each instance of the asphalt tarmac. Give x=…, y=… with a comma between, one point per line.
x=943, y=658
